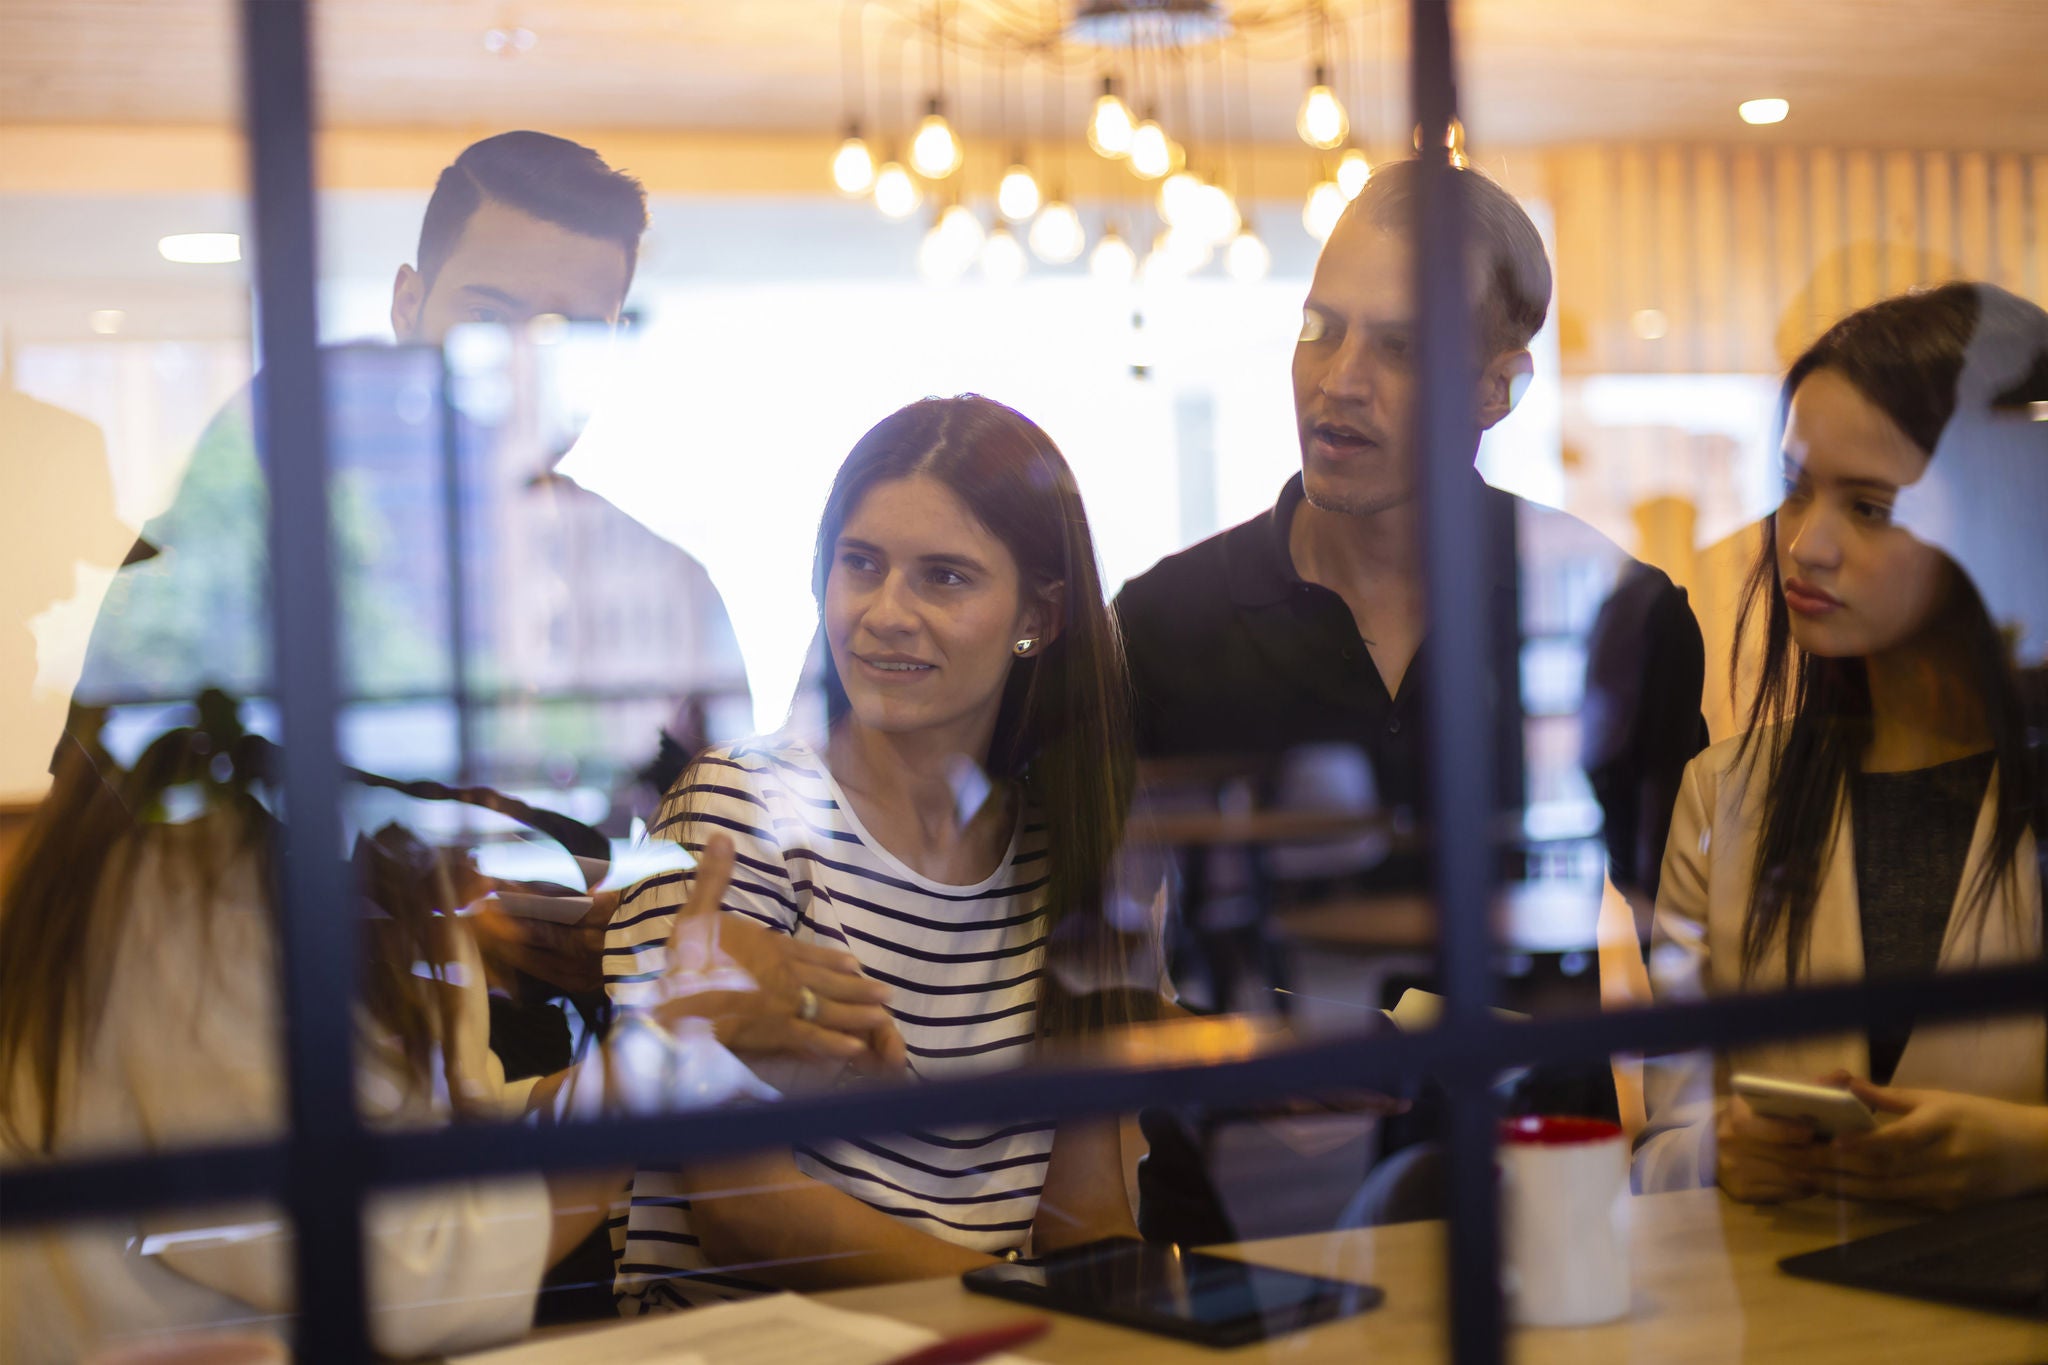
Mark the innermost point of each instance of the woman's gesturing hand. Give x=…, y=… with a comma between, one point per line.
x=1944, y=1150
x=765, y=993
x=1761, y=1160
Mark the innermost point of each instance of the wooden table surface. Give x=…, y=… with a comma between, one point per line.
x=1707, y=1289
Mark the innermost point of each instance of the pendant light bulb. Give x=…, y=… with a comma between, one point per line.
x=1324, y=207
x=1247, y=260
x=1017, y=196
x=1002, y=256
x=1151, y=150
x=1113, y=261
x=939, y=259
x=950, y=245
x=1177, y=195
x=1322, y=121
x=1185, y=250
x=896, y=194
x=1213, y=216
x=935, y=151
x=1058, y=237
x=1176, y=254
x=1354, y=172
x=853, y=168
x=1110, y=127
x=959, y=226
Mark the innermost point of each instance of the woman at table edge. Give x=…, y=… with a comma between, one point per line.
x=139, y=1012
x=955, y=828
x=1888, y=700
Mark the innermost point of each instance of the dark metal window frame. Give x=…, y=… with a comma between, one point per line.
x=325, y=1165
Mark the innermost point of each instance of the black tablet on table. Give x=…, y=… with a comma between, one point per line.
x=1159, y=1287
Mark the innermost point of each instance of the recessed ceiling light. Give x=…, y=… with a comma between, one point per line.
x=1764, y=111
x=105, y=321
x=200, y=248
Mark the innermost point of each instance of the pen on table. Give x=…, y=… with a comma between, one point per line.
x=972, y=1346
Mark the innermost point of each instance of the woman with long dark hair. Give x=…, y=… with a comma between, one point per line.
x=139, y=1012
x=954, y=828
x=1883, y=814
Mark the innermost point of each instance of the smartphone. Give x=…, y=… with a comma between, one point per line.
x=1168, y=1290
x=1830, y=1111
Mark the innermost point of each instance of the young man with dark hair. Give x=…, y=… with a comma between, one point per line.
x=520, y=225
x=1303, y=629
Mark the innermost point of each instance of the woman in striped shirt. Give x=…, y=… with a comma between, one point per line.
x=954, y=830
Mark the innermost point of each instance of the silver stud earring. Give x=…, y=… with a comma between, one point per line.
x=1022, y=647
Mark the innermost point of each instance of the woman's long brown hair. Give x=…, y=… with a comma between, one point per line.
x=65, y=906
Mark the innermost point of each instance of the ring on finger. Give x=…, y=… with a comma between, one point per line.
x=806, y=1004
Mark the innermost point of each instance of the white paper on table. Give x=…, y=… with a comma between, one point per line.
x=781, y=1329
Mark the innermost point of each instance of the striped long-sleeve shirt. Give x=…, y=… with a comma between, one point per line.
x=963, y=963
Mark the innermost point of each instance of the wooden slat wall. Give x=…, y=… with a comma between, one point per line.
x=1748, y=253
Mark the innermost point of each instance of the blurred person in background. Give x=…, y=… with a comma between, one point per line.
x=1302, y=632
x=1882, y=816
x=139, y=1012
x=955, y=829
x=522, y=225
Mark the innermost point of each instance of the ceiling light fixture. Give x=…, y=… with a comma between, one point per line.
x=853, y=168
x=1017, y=196
x=935, y=151
x=1247, y=259
x=1151, y=150
x=1112, y=261
x=1058, y=237
x=1322, y=122
x=1110, y=126
x=1002, y=257
x=1764, y=111
x=1324, y=206
x=896, y=194
x=1354, y=172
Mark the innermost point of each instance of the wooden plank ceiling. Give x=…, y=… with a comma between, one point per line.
x=1877, y=73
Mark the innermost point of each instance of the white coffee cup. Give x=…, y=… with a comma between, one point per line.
x=1564, y=1221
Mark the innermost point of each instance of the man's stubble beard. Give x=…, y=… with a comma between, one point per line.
x=1325, y=500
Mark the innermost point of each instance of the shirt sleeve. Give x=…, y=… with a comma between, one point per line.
x=1676, y=1149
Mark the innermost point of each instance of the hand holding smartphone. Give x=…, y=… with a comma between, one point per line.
x=1830, y=1112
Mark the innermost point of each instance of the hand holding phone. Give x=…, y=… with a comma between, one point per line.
x=1827, y=1110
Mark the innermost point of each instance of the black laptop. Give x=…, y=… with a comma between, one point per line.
x=1993, y=1256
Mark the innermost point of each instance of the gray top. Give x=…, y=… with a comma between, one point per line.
x=1912, y=833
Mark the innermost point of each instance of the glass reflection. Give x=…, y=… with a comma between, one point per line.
x=577, y=521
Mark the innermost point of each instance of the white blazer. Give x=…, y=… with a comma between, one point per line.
x=1696, y=951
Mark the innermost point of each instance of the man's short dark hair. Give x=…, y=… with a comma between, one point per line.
x=546, y=177
x=1513, y=266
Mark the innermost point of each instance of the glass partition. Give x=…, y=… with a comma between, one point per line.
x=927, y=634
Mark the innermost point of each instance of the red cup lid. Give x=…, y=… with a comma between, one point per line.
x=1556, y=1130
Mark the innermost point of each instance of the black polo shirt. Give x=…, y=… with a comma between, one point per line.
x=1233, y=653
